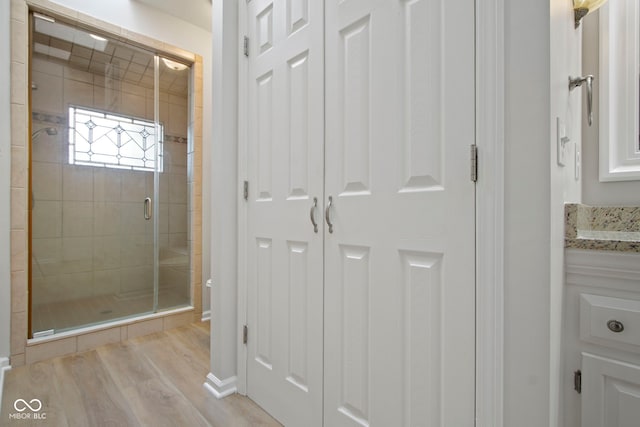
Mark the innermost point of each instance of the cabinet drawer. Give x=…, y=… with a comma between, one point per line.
x=610, y=321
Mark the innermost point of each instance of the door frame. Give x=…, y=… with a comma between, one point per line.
x=490, y=89
x=229, y=289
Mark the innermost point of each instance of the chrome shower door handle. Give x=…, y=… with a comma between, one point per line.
x=577, y=82
x=148, y=208
x=312, y=215
x=327, y=215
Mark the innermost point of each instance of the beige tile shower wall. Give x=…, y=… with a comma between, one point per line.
x=19, y=182
x=59, y=86
x=89, y=234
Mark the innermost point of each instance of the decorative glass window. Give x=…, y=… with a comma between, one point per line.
x=97, y=138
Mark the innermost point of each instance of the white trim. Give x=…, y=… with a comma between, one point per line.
x=224, y=190
x=206, y=316
x=618, y=91
x=490, y=213
x=220, y=388
x=590, y=267
x=243, y=111
x=4, y=366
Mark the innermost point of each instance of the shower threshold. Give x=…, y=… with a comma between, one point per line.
x=41, y=334
x=87, y=329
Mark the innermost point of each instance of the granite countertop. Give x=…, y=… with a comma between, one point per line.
x=608, y=228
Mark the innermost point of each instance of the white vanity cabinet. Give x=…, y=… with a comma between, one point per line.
x=601, y=339
x=610, y=392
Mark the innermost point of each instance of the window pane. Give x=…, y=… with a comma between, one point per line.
x=104, y=139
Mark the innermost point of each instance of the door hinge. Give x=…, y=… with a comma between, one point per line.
x=245, y=334
x=474, y=163
x=245, y=191
x=246, y=46
x=577, y=381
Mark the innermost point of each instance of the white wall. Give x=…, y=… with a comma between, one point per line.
x=225, y=190
x=541, y=51
x=527, y=214
x=156, y=24
x=5, y=177
x=594, y=192
x=566, y=61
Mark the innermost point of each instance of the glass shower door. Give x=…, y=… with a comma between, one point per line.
x=174, y=288
x=94, y=155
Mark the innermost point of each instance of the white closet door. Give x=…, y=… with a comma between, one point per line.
x=400, y=263
x=285, y=171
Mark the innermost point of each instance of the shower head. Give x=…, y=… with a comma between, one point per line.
x=51, y=131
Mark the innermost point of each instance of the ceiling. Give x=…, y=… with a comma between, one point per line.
x=197, y=12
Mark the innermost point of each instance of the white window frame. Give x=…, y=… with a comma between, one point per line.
x=619, y=95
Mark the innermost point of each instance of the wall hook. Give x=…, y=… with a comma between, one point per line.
x=575, y=82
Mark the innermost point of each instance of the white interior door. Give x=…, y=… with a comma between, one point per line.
x=285, y=171
x=400, y=263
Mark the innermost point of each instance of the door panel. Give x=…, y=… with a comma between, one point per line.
x=611, y=392
x=353, y=354
x=399, y=265
x=285, y=169
x=354, y=143
x=421, y=95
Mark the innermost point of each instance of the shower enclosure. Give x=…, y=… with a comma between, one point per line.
x=109, y=179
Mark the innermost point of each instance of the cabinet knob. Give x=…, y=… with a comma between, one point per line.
x=615, y=326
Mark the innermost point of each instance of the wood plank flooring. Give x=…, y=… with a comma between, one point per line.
x=155, y=380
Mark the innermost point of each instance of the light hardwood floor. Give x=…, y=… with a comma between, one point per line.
x=155, y=380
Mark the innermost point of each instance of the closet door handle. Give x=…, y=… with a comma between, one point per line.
x=312, y=214
x=327, y=215
x=148, y=209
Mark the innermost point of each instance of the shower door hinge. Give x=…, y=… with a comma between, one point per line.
x=245, y=190
x=246, y=46
x=474, y=163
x=577, y=381
x=245, y=334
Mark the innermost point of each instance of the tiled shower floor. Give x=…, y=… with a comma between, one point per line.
x=89, y=311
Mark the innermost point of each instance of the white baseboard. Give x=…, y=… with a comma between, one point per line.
x=206, y=315
x=220, y=388
x=4, y=366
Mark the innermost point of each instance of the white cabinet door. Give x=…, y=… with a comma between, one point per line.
x=400, y=262
x=285, y=169
x=610, y=392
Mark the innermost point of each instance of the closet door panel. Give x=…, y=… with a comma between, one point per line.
x=285, y=174
x=400, y=262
